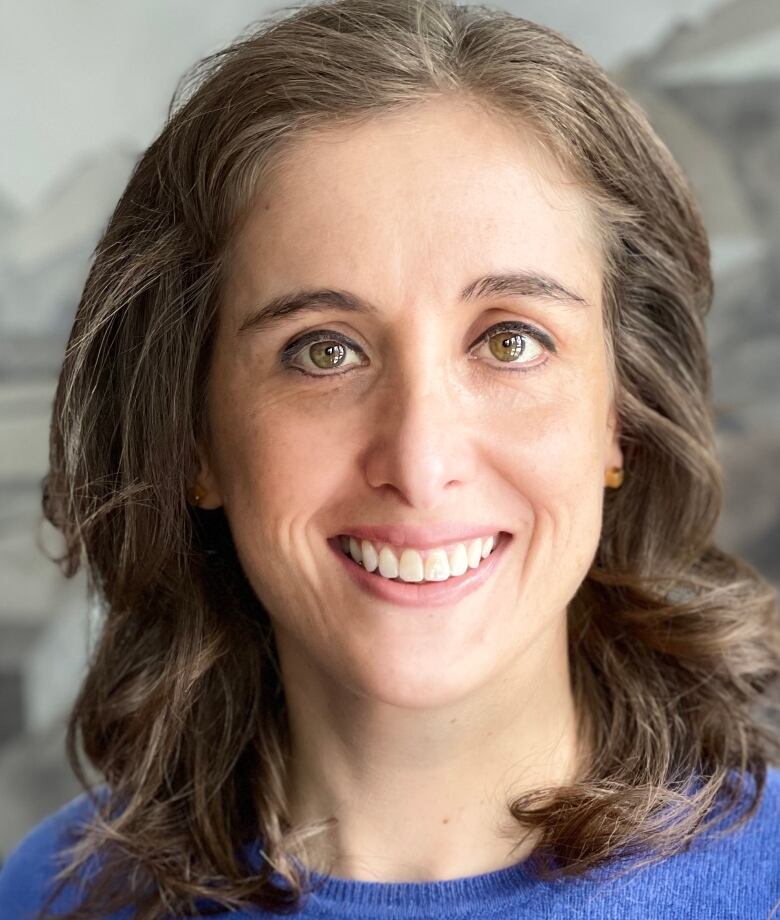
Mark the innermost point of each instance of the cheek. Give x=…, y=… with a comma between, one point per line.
x=556, y=441
x=265, y=449
x=279, y=469
x=554, y=463
x=274, y=470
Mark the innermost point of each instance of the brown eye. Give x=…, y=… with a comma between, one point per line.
x=516, y=346
x=320, y=351
x=327, y=354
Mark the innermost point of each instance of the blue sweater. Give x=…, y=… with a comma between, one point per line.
x=737, y=877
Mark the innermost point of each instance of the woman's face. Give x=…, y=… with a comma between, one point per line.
x=418, y=423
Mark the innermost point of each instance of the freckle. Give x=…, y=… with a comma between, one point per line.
x=445, y=821
x=453, y=720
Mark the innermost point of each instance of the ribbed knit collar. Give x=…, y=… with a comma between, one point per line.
x=457, y=898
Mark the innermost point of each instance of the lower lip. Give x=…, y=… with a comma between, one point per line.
x=422, y=594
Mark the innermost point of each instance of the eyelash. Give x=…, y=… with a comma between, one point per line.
x=324, y=335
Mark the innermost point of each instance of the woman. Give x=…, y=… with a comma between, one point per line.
x=384, y=317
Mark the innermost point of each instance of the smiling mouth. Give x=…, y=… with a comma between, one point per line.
x=423, y=595
x=438, y=568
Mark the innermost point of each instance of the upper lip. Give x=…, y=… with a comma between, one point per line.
x=426, y=536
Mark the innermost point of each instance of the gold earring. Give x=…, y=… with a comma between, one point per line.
x=196, y=496
x=614, y=477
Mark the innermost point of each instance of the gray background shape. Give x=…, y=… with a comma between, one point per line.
x=84, y=88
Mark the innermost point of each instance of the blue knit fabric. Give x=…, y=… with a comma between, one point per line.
x=735, y=876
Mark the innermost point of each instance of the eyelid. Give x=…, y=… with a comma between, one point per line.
x=316, y=335
x=326, y=335
x=522, y=328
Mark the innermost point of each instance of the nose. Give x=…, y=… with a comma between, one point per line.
x=420, y=443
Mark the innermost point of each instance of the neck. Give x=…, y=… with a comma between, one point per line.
x=423, y=794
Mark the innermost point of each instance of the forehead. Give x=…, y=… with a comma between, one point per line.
x=417, y=198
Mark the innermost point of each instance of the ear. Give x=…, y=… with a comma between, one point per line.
x=613, y=452
x=206, y=480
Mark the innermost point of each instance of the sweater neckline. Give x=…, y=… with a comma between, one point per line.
x=460, y=897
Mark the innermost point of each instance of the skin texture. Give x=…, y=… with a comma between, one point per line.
x=414, y=727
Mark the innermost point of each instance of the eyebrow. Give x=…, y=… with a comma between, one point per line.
x=511, y=284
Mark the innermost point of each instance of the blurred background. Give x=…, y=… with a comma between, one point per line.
x=84, y=88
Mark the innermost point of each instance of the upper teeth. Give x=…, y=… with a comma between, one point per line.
x=419, y=565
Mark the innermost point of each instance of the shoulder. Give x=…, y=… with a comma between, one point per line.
x=767, y=818
x=26, y=875
x=731, y=871
x=728, y=872
x=762, y=827
x=748, y=850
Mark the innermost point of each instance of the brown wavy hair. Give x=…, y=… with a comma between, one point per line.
x=674, y=644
